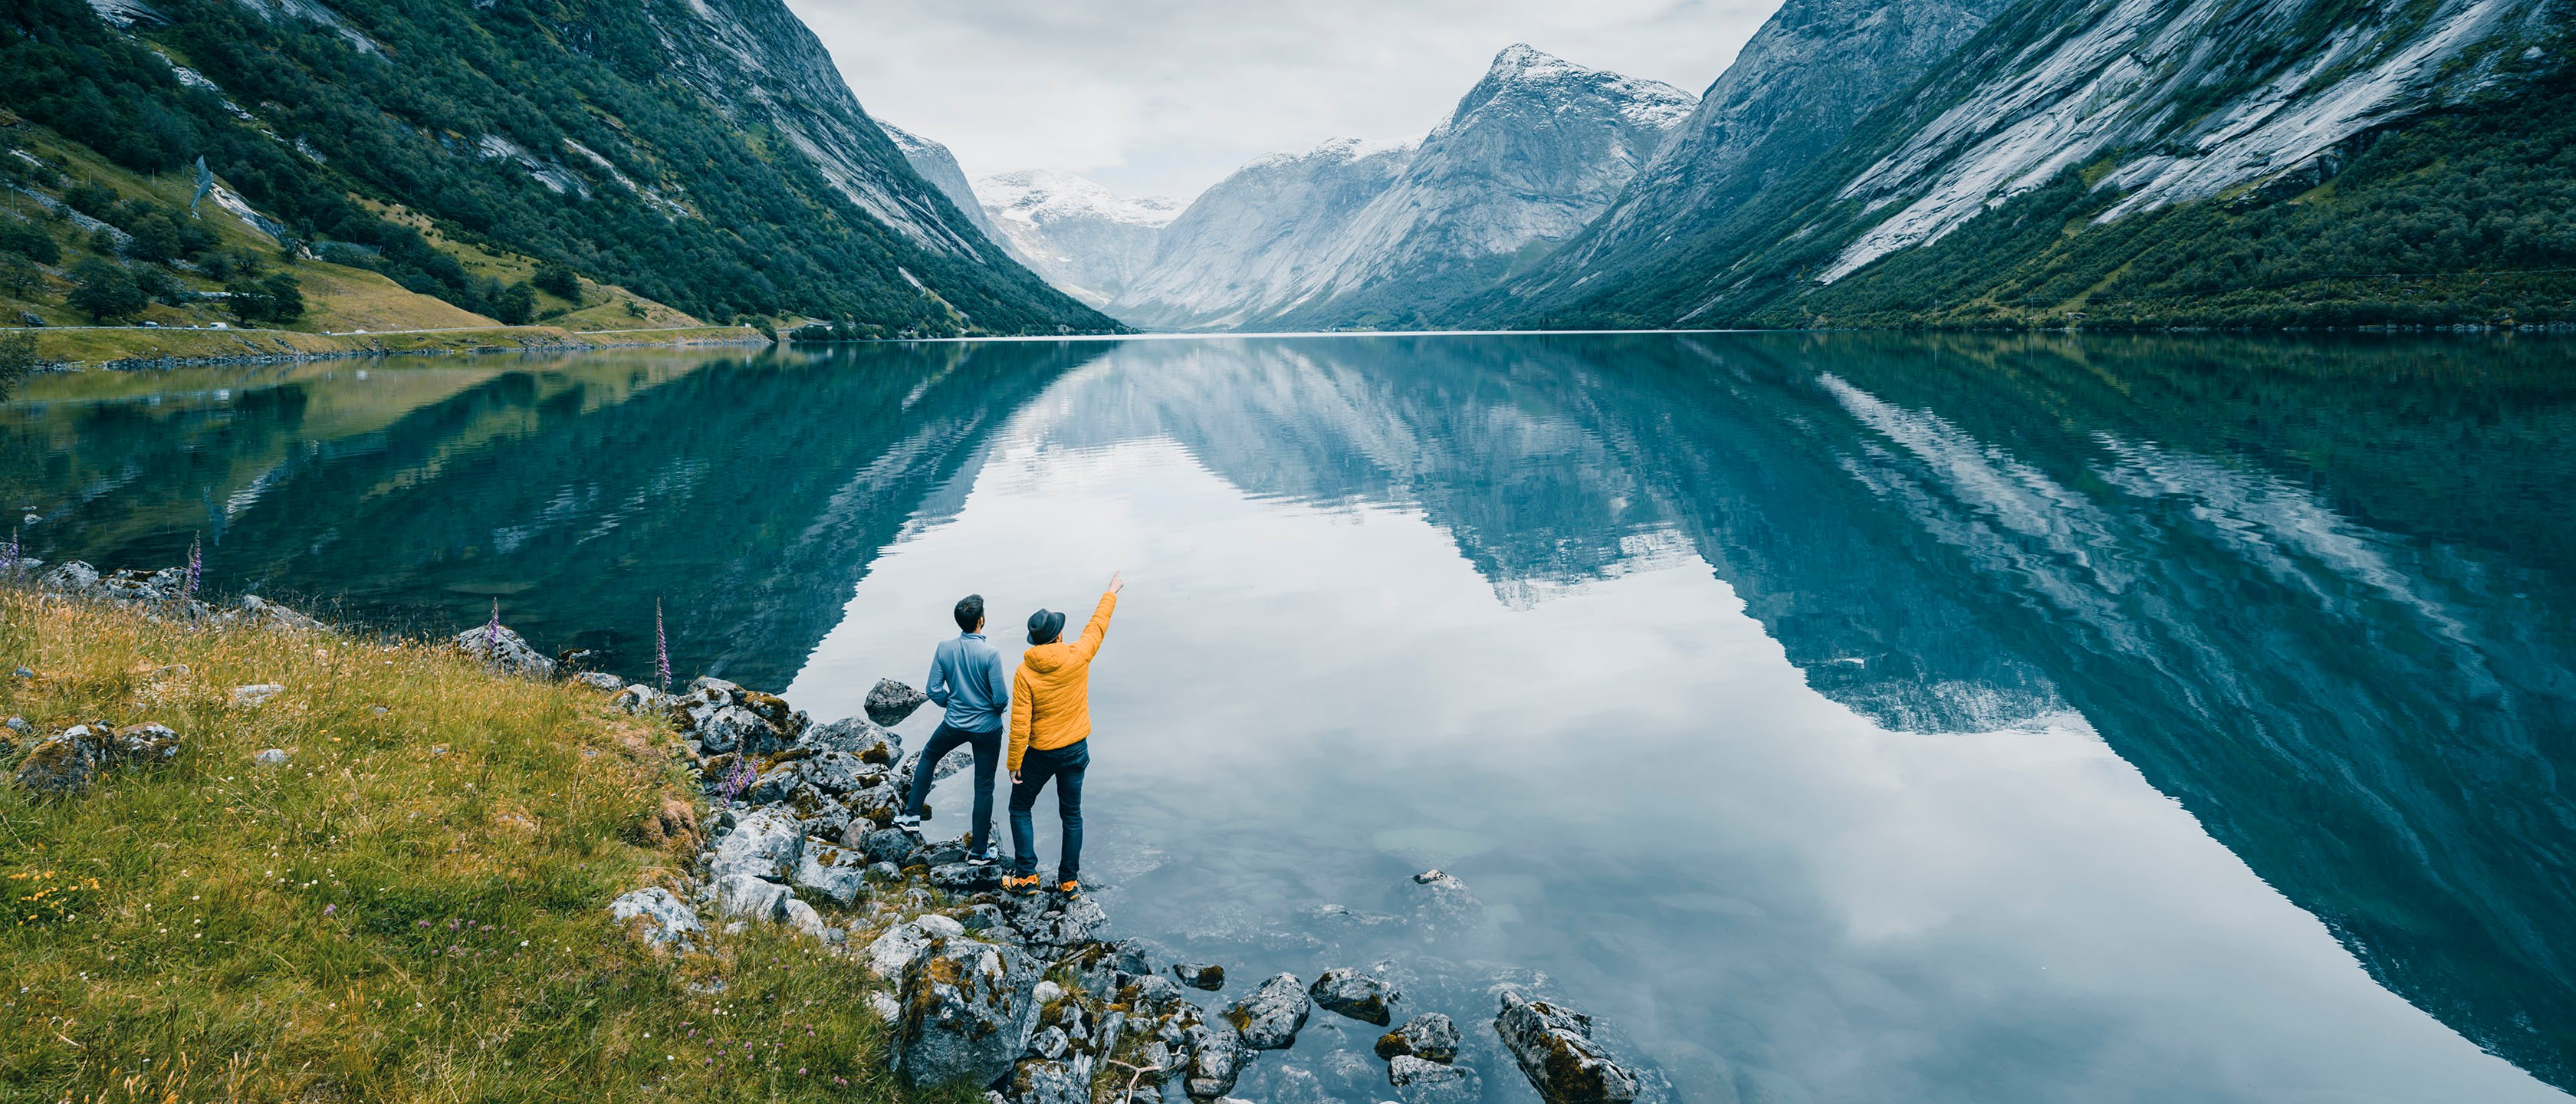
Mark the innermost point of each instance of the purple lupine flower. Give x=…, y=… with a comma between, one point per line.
x=196, y=569
x=661, y=648
x=492, y=634
x=330, y=909
x=9, y=558
x=738, y=779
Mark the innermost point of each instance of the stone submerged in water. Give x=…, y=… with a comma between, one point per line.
x=1555, y=1050
x=1200, y=975
x=1356, y=995
x=967, y=1012
x=1270, y=1017
x=1429, y=1036
x=1420, y=1082
x=889, y=702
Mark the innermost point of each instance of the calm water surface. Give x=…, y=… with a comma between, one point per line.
x=1838, y=718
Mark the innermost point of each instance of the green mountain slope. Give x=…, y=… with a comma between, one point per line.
x=2082, y=162
x=703, y=155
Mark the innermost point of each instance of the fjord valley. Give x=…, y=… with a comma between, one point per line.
x=1965, y=552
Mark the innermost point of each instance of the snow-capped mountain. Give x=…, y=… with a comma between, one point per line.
x=1261, y=236
x=1086, y=241
x=938, y=166
x=1353, y=235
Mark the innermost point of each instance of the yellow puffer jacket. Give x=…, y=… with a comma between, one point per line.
x=1051, y=694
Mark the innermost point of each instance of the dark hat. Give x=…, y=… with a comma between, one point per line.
x=1045, y=627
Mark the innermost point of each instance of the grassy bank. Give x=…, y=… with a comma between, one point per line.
x=98, y=347
x=413, y=907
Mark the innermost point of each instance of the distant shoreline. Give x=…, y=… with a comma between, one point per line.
x=65, y=348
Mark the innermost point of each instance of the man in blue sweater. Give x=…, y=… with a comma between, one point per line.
x=968, y=680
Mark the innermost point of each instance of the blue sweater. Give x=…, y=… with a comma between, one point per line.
x=967, y=679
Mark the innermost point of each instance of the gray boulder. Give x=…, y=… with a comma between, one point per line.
x=640, y=699
x=889, y=702
x=959, y=877
x=58, y=766
x=599, y=680
x=143, y=744
x=1356, y=995
x=765, y=844
x=886, y=845
x=1046, y=1081
x=503, y=649
x=856, y=736
x=802, y=917
x=668, y=921
x=69, y=577
x=838, y=772
x=1554, y=1047
x=892, y=952
x=1216, y=1057
x=1148, y=991
x=751, y=898
x=778, y=785
x=270, y=757
x=834, y=872
x=1429, y=1036
x=256, y=693
x=260, y=611
x=1200, y=975
x=967, y=1012
x=19, y=724
x=1270, y=1017
x=1075, y=921
x=1420, y=1082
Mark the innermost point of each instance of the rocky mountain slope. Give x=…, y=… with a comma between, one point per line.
x=705, y=154
x=939, y=167
x=1087, y=242
x=1796, y=89
x=2126, y=162
x=1534, y=152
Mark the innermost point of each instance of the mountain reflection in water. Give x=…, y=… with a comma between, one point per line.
x=2317, y=593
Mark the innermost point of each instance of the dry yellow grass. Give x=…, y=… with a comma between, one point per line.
x=412, y=908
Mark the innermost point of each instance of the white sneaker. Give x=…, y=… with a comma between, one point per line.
x=910, y=824
x=985, y=857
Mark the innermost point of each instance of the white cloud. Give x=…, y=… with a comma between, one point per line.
x=1167, y=96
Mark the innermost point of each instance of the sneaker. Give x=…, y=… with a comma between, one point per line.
x=985, y=857
x=1019, y=883
x=908, y=823
x=1068, y=887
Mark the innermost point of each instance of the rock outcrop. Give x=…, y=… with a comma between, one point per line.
x=66, y=763
x=1270, y=1017
x=667, y=920
x=1554, y=1047
x=505, y=651
x=1356, y=995
x=889, y=702
x=1429, y=1036
x=967, y=1012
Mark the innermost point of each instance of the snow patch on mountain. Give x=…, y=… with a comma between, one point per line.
x=1087, y=241
x=938, y=166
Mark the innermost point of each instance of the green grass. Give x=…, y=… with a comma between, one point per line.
x=414, y=908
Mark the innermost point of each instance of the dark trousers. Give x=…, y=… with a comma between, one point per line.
x=988, y=755
x=1065, y=766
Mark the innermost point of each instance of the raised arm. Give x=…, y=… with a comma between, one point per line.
x=1089, y=643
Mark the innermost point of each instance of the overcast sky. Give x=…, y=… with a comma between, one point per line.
x=1164, y=97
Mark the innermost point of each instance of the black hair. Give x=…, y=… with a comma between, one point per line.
x=970, y=609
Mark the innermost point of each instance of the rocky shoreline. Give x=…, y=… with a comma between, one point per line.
x=1030, y=996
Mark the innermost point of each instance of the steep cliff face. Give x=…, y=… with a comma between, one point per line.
x=1247, y=247
x=2079, y=154
x=1797, y=88
x=1534, y=152
x=939, y=167
x=704, y=153
x=1087, y=242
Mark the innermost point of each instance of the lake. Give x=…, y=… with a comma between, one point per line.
x=1836, y=717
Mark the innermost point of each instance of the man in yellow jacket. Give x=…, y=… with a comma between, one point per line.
x=1051, y=738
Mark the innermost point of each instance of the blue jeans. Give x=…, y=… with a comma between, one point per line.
x=1065, y=765
x=988, y=755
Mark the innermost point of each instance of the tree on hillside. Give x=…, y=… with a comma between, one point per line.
x=20, y=275
x=105, y=292
x=31, y=240
x=515, y=304
x=559, y=281
x=278, y=298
